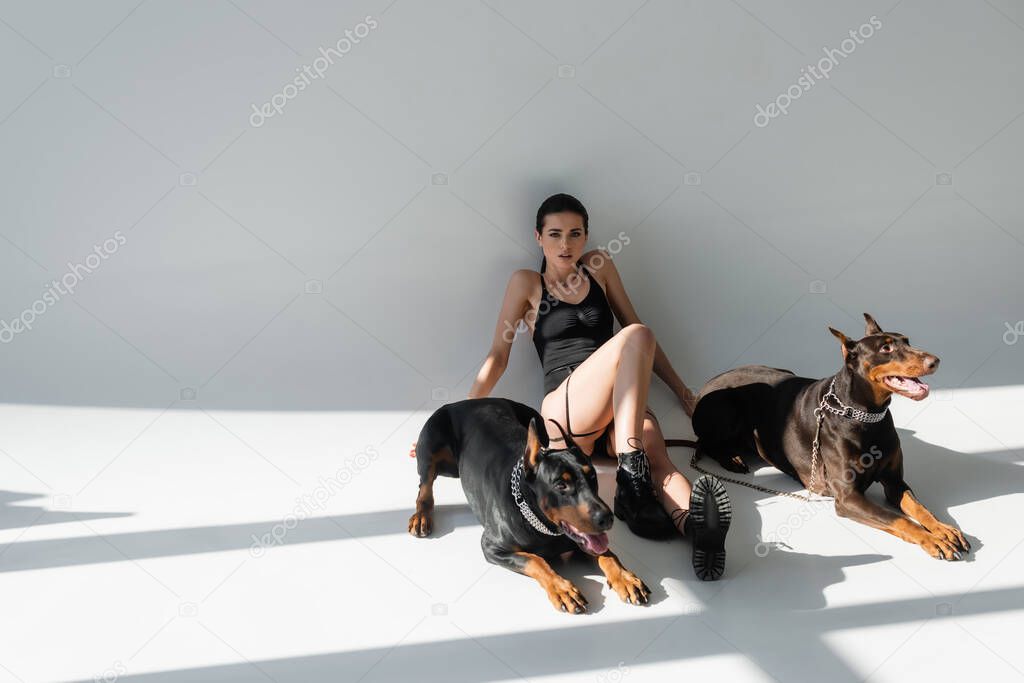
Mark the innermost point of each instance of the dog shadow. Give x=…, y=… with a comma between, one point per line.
x=748, y=557
x=817, y=573
x=943, y=478
x=754, y=563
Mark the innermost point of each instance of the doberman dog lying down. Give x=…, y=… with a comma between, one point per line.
x=534, y=502
x=834, y=435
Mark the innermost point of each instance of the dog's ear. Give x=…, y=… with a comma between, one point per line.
x=872, y=326
x=846, y=342
x=534, y=447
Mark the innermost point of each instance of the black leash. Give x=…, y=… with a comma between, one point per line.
x=687, y=443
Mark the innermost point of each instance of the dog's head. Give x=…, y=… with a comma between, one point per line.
x=887, y=361
x=565, y=483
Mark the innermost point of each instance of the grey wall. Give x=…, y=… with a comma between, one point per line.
x=405, y=181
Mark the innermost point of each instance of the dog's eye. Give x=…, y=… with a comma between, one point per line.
x=562, y=485
x=886, y=348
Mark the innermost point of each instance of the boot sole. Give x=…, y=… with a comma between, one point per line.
x=711, y=512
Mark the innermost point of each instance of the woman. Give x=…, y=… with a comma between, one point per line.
x=568, y=308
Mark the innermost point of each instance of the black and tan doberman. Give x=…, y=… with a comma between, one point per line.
x=535, y=503
x=775, y=414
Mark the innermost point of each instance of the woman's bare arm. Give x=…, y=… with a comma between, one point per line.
x=623, y=309
x=513, y=308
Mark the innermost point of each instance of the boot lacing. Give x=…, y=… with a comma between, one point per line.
x=639, y=469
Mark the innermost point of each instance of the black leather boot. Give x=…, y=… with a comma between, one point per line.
x=706, y=524
x=634, y=498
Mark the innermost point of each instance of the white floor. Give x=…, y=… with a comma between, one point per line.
x=127, y=553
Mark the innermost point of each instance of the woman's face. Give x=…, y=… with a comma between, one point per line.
x=563, y=238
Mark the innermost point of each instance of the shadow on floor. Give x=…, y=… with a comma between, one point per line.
x=592, y=648
x=23, y=516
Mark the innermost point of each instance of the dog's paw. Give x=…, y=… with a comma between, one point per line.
x=421, y=524
x=566, y=597
x=951, y=535
x=940, y=548
x=630, y=588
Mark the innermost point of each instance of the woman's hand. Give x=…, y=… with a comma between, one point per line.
x=688, y=400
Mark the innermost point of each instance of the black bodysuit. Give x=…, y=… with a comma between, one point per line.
x=566, y=334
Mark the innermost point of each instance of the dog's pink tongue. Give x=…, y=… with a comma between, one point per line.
x=910, y=385
x=596, y=543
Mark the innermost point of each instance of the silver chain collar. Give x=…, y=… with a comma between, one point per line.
x=528, y=514
x=843, y=410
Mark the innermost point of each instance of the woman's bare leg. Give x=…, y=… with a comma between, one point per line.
x=611, y=383
x=632, y=382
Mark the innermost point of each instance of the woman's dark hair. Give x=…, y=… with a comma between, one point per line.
x=558, y=203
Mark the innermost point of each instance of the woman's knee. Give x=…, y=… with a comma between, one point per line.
x=638, y=335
